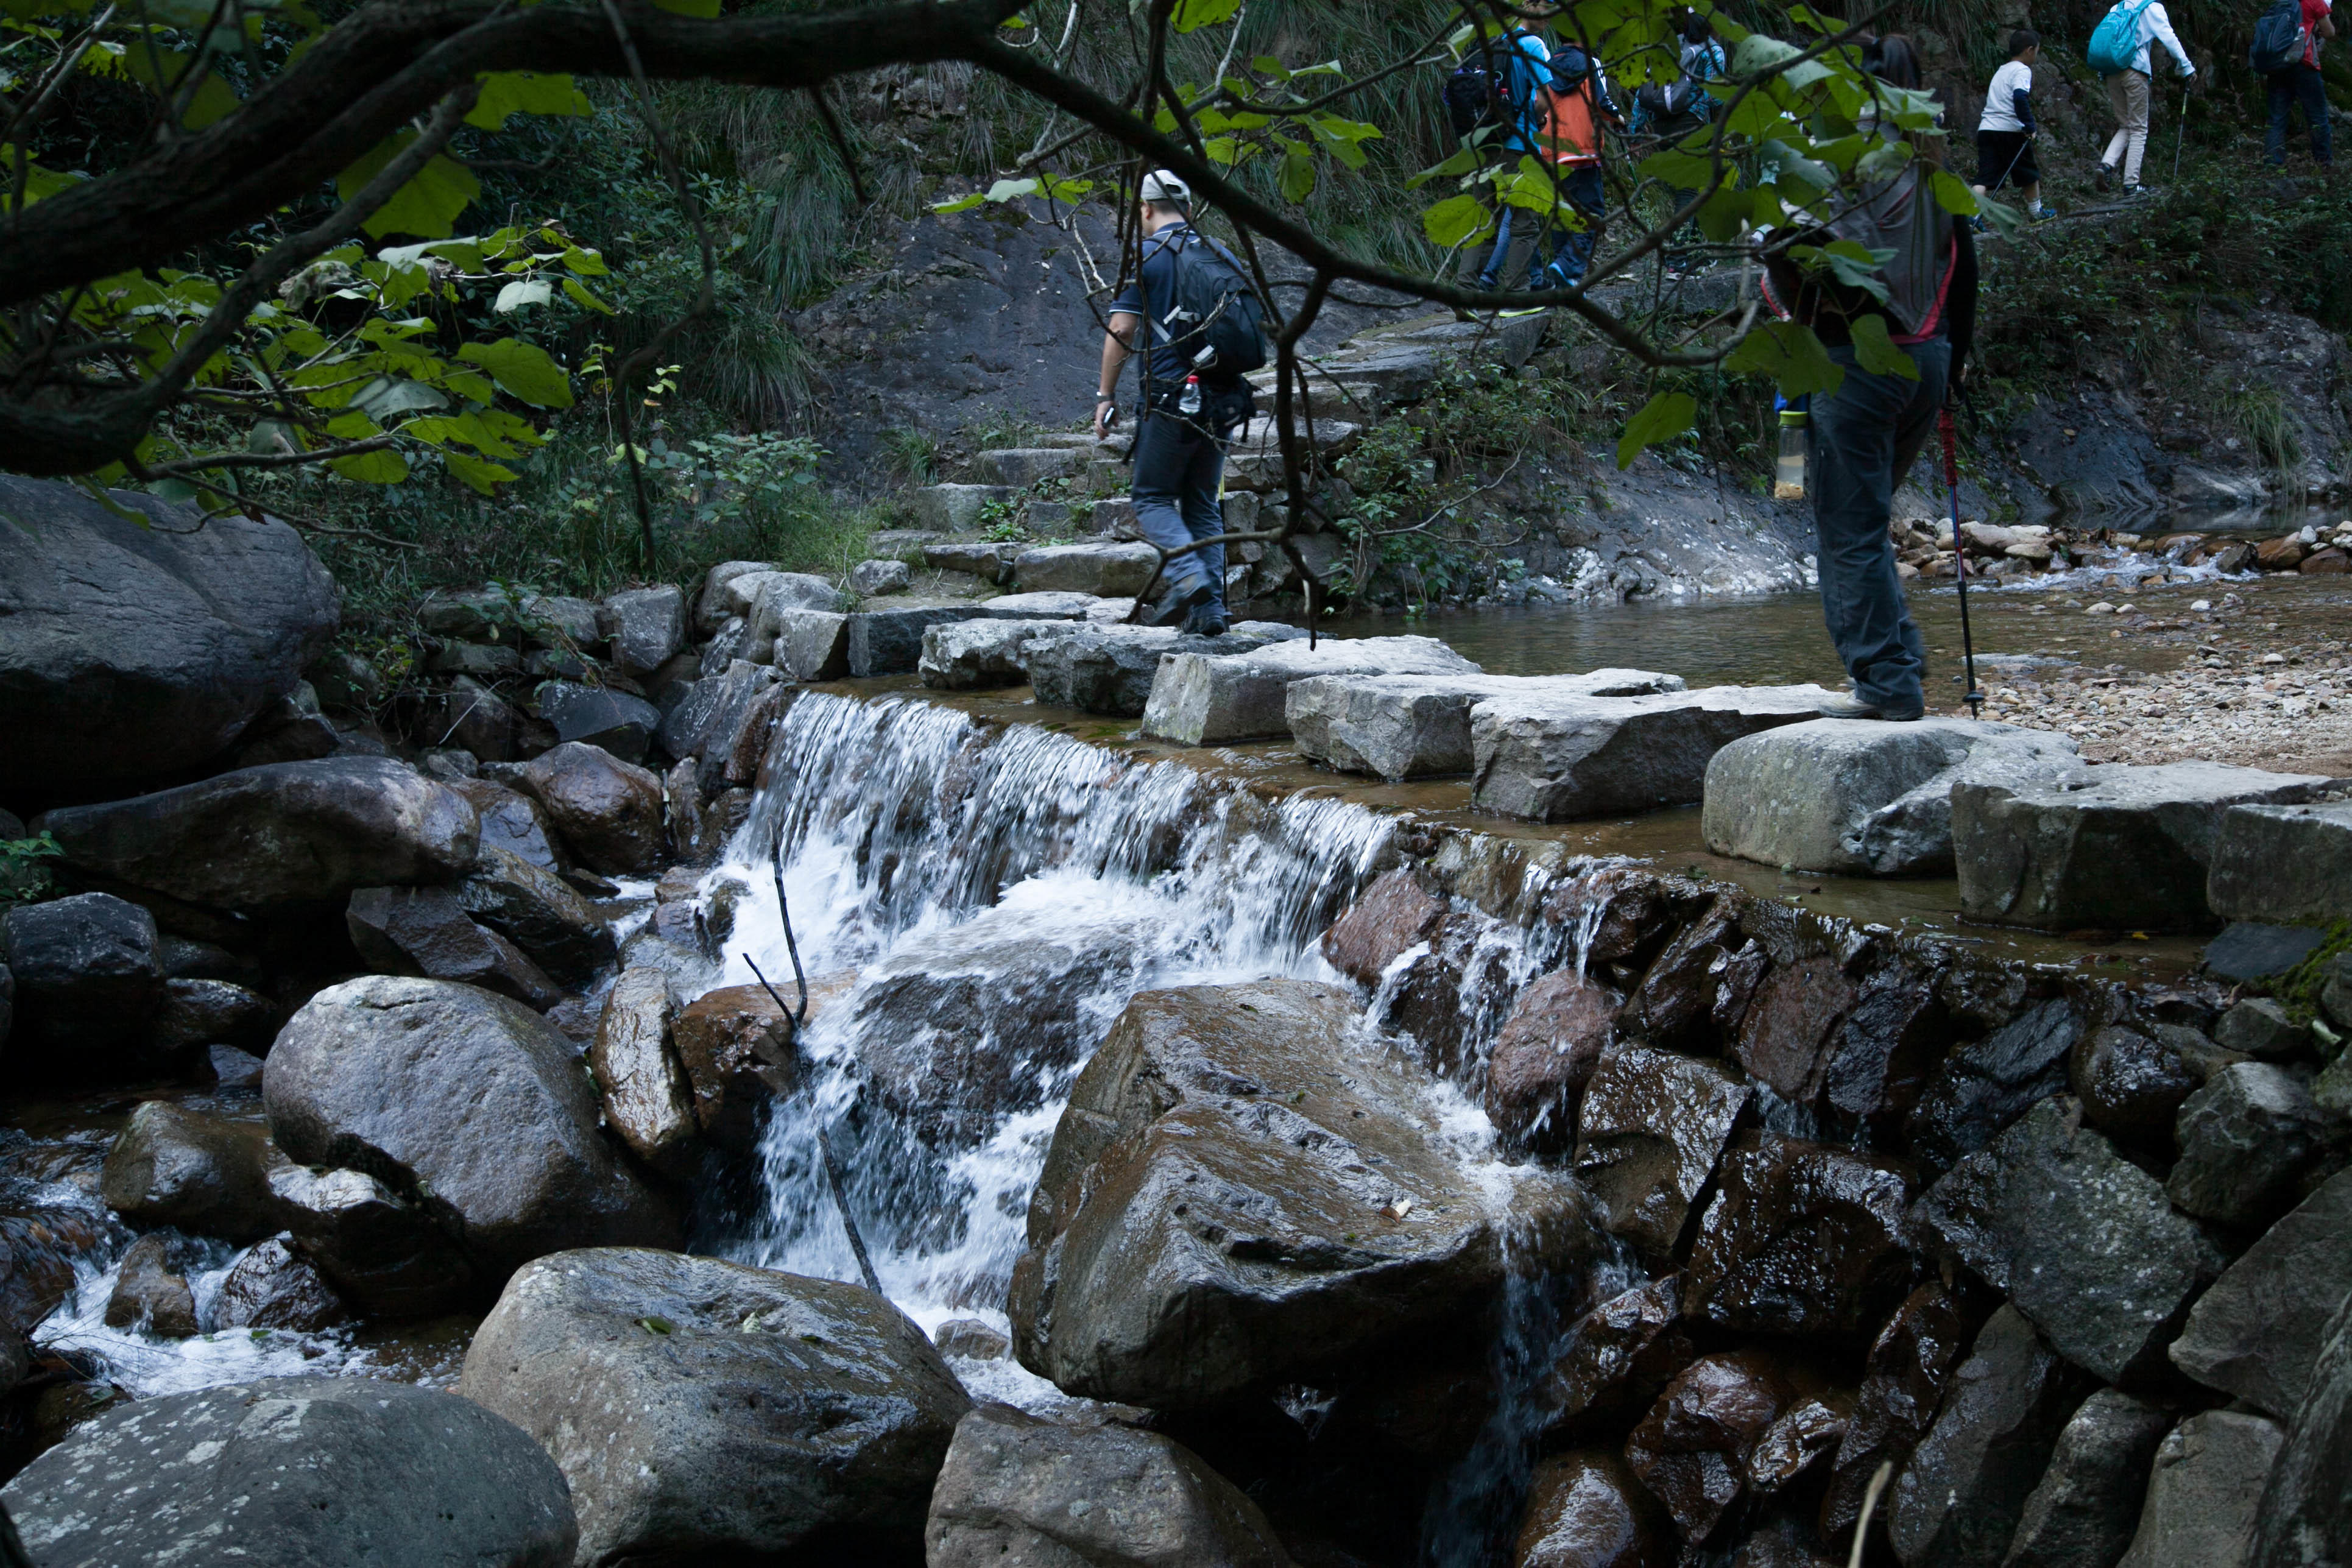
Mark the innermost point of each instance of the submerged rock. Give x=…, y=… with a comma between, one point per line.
x=2088, y=1502
x=699, y=1409
x=1652, y=1126
x=150, y=1293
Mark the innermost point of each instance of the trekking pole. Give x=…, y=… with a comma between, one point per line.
x=1975, y=697
x=2182, y=136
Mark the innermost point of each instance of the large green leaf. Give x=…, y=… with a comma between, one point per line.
x=1457, y=220
x=523, y=369
x=1877, y=353
x=1298, y=175
x=509, y=93
x=1190, y=15
x=427, y=206
x=386, y=467
x=1662, y=418
x=485, y=476
x=1789, y=353
x=1953, y=195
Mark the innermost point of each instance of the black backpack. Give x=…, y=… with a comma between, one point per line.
x=1215, y=322
x=2278, y=38
x=1484, y=89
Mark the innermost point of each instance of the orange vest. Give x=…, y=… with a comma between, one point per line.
x=1571, y=131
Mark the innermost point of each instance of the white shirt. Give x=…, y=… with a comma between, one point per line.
x=2000, y=107
x=2155, y=26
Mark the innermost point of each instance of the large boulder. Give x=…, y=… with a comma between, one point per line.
x=807, y=645
x=1862, y=797
x=287, y=834
x=2087, y=1504
x=470, y=1104
x=1016, y=1491
x=2081, y=1239
x=2258, y=1333
x=1106, y=571
x=296, y=1472
x=2290, y=865
x=204, y=1174
x=1554, y=758
x=377, y=1248
x=2306, y=1514
x=2205, y=1493
x=645, y=625
x=86, y=981
x=1418, y=726
x=608, y=811
x=1206, y=699
x=648, y=1100
x=704, y=1411
x=136, y=652
x=1241, y=1192
x=2115, y=847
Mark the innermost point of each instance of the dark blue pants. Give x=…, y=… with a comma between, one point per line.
x=1571, y=248
x=2298, y=85
x=1865, y=437
x=1179, y=464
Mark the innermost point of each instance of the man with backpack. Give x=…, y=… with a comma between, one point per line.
x=2285, y=53
x=2119, y=51
x=1576, y=101
x=1204, y=331
x=1494, y=100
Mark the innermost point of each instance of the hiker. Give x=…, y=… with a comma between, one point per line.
x=2005, y=130
x=1702, y=60
x=1494, y=102
x=2119, y=51
x=1206, y=334
x=2298, y=84
x=1576, y=101
x=1866, y=433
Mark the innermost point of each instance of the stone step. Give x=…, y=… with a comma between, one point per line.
x=955, y=508
x=1075, y=440
x=1020, y=467
x=1108, y=571
x=1110, y=670
x=2286, y=864
x=1200, y=699
x=987, y=560
x=1418, y=726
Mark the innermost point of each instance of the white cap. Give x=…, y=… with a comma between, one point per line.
x=1162, y=188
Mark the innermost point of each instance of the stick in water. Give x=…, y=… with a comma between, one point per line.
x=833, y=1174
x=1959, y=555
x=1869, y=1506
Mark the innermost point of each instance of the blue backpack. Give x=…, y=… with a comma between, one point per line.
x=2278, y=43
x=2114, y=43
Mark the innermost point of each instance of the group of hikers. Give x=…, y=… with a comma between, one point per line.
x=1191, y=310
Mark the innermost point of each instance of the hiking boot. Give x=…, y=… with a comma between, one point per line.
x=1889, y=712
x=2105, y=177
x=2041, y=212
x=1206, y=620
x=2138, y=192
x=1177, y=604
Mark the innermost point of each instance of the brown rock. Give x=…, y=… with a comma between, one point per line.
x=749, y=747
x=1394, y=915
x=2329, y=561
x=272, y=1288
x=647, y=1098
x=1801, y=1239
x=1697, y=990
x=148, y=1290
x=1810, y=1426
x=1650, y=1129
x=426, y=932
x=36, y=1268
x=1910, y=1368
x=1545, y=1053
x=685, y=825
x=608, y=811
x=1618, y=1357
x=1439, y=1000
x=1618, y=910
x=735, y=1045
x=1692, y=1449
x=2284, y=553
x=1788, y=1026
x=1585, y=1510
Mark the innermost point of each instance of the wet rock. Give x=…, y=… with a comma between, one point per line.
x=383, y=1254
x=647, y=1100
x=1546, y=1052
x=204, y=1174
x=608, y=811
x=271, y=1287
x=2127, y=849
x=1204, y=699
x=1652, y=1127
x=401, y=1078
x=969, y=1339
x=212, y=1012
x=312, y=1471
x=975, y=656
x=2259, y=1026
x=646, y=626
x=1018, y=1490
x=1240, y=1192
x=2087, y=1504
x=288, y=834
x=837, y=1416
x=2258, y=1332
x=1801, y=1239
x=87, y=986
x=2205, y=1491
x=510, y=821
x=2132, y=1085
x=807, y=645
x=1554, y=758
x=37, y=1269
x=1393, y=915
x=2305, y=1519
x=234, y=1069
x=1694, y=981
x=1957, y=1503
x=1586, y=1509
x=702, y=724
x=2247, y=1140
x=1863, y=798
x=136, y=652
x=1618, y=1357
x=735, y=1046
x=2081, y=1239
x=1106, y=571
x=2282, y=863
x=599, y=716
x=1903, y=1385
x=890, y=642
x=425, y=932
x=539, y=914
x=150, y=1293
x=1879, y=1056
x=1615, y=912
x=1984, y=1085
x=1418, y=726
x=1786, y=1030
x=1109, y=670
x=1783, y=1543
x=1692, y=1450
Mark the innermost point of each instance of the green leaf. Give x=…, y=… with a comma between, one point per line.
x=524, y=370
x=1462, y=162
x=1789, y=353
x=585, y=262
x=1190, y=15
x=482, y=476
x=523, y=291
x=380, y=467
x=509, y=93
x=1298, y=175
x=1662, y=418
x=386, y=398
x=1010, y=190
x=704, y=9
x=1457, y=220
x=1953, y=195
x=427, y=206
x=1684, y=171
x=962, y=203
x=1876, y=353
x=582, y=294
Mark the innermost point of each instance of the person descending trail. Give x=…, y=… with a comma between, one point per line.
x=1576, y=103
x=2119, y=51
x=1494, y=101
x=1206, y=333
x=2286, y=53
x=1870, y=429
x=2005, y=130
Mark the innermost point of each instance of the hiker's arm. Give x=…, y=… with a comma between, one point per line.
x=2325, y=26
x=2171, y=40
x=2022, y=105
x=1961, y=308
x=1118, y=343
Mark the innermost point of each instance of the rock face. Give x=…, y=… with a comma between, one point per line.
x=2081, y=1239
x=1106, y=571
x=425, y=932
x=1017, y=1491
x=288, y=834
x=1556, y=759
x=647, y=1098
x=471, y=1103
x=204, y=1174
x=1585, y=1510
x=2304, y=1519
x=1800, y=1238
x=1652, y=1128
x=2204, y=1493
x=1860, y=797
x=835, y=1416
x=2246, y=1140
x=85, y=977
x=1109, y=670
x=2290, y=865
x=1236, y=1194
x=138, y=653
x=2124, y=848
x=2258, y=1332
x=609, y=811
x=1418, y=726
x=2087, y=1505
x=313, y=1470
x=1206, y=699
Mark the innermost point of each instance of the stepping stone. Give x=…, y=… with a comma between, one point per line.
x=1052, y=606
x=974, y=655
x=1862, y=797
x=990, y=562
x=890, y=642
x=2126, y=848
x=1106, y=571
x=2250, y=949
x=2283, y=865
x=1110, y=670
x=1206, y=699
x=1418, y=726
x=1550, y=757
x=955, y=508
x=1020, y=467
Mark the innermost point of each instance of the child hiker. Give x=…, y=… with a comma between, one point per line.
x=2005, y=130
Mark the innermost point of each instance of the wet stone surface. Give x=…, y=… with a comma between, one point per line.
x=1652, y=1127
x=1801, y=1239
x=1904, y=1382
